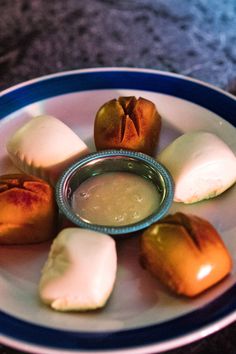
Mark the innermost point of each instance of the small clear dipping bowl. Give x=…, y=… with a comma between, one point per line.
x=114, y=161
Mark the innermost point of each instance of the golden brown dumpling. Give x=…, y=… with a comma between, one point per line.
x=185, y=253
x=27, y=210
x=128, y=123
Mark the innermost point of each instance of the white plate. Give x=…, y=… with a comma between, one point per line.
x=141, y=316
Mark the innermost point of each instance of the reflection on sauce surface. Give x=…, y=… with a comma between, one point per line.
x=115, y=199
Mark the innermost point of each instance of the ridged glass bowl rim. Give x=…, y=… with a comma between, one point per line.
x=64, y=180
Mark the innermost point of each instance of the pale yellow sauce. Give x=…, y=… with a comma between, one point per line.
x=115, y=199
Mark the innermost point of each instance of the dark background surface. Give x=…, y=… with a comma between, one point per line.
x=191, y=37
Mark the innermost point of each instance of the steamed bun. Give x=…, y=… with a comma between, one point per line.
x=201, y=164
x=80, y=271
x=44, y=147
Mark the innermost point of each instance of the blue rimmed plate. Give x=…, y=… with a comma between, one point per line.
x=141, y=316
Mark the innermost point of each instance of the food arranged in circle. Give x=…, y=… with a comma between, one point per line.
x=201, y=164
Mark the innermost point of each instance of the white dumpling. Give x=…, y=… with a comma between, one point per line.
x=80, y=271
x=44, y=147
x=201, y=164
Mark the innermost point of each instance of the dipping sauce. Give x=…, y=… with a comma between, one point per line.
x=115, y=199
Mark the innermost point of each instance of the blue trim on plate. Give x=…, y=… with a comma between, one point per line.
x=176, y=86
x=207, y=97
x=70, y=340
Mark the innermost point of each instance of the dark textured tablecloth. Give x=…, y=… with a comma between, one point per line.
x=191, y=37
